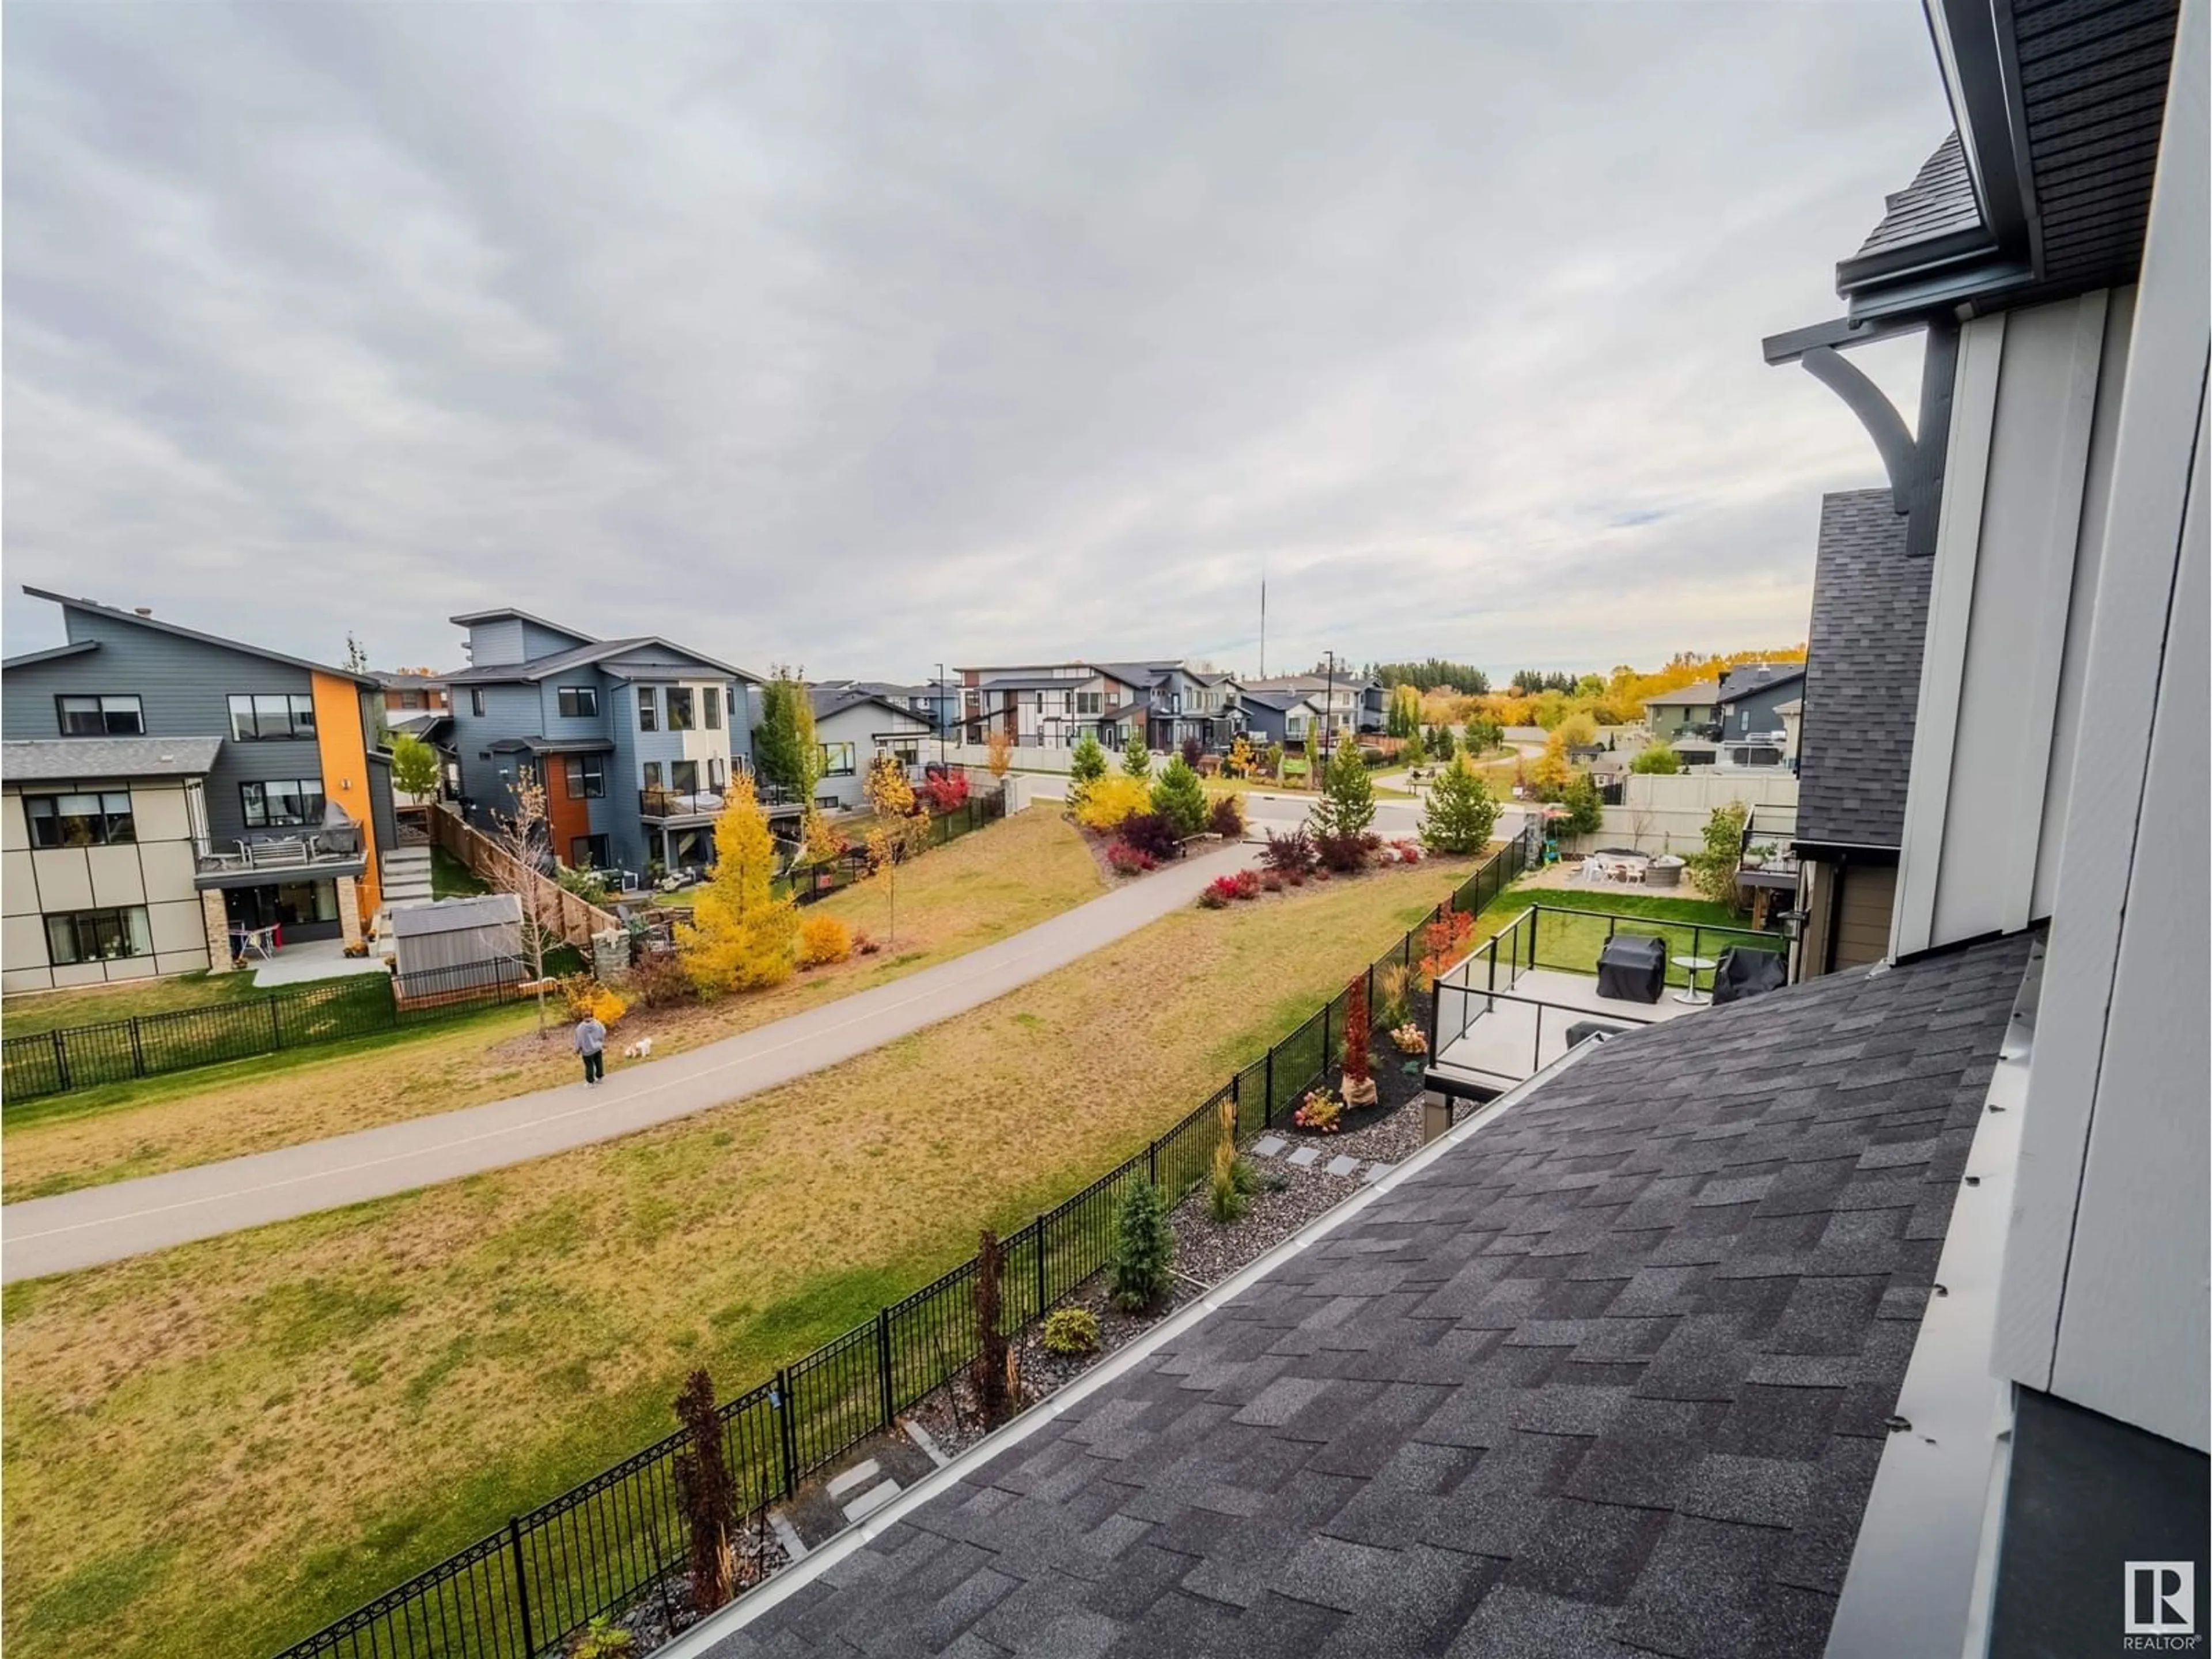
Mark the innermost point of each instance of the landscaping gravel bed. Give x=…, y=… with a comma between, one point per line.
x=1288, y=1197
x=663, y=1612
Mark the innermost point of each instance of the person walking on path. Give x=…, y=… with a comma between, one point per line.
x=591, y=1043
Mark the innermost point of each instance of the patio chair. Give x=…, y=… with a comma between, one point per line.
x=1745, y=970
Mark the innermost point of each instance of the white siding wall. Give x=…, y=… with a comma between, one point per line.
x=2034, y=420
x=2103, y=1299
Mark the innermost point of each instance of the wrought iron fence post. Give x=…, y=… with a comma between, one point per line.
x=1037, y=1226
x=275, y=1026
x=786, y=1441
x=138, y=1050
x=61, y=1059
x=1152, y=1163
x=1325, y=1007
x=884, y=1359
x=521, y=1585
x=1269, y=1116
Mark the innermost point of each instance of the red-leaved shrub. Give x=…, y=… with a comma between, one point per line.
x=1127, y=860
x=1446, y=941
x=1152, y=833
x=948, y=793
x=1246, y=883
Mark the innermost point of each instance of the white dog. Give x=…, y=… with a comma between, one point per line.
x=641, y=1049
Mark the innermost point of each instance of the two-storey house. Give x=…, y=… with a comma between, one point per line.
x=853, y=726
x=1055, y=705
x=634, y=739
x=1349, y=701
x=171, y=796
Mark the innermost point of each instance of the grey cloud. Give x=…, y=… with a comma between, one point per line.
x=871, y=336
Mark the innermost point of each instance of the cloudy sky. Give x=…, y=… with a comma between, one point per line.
x=865, y=336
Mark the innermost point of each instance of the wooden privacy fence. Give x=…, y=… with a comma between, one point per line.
x=561, y=913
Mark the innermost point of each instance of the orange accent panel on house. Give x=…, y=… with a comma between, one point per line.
x=566, y=818
x=345, y=750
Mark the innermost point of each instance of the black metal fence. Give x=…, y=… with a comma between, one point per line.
x=146, y=1045
x=523, y=1591
x=982, y=806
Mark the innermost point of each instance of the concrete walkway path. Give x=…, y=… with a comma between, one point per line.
x=106, y=1224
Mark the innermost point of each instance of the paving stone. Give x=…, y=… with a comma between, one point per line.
x=839, y=1486
x=1305, y=1156
x=1268, y=1145
x=871, y=1500
x=1343, y=1164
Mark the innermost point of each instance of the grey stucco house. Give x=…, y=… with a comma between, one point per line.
x=170, y=794
x=635, y=739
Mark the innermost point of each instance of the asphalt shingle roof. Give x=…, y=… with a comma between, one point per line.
x=1609, y=1378
x=1862, y=674
x=64, y=759
x=1938, y=203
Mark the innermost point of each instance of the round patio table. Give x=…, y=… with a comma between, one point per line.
x=1693, y=966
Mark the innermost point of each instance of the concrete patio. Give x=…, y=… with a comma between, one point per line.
x=310, y=960
x=1505, y=1042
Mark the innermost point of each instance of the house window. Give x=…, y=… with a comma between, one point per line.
x=711, y=702
x=271, y=714
x=589, y=852
x=680, y=708
x=683, y=777
x=648, y=711
x=837, y=760
x=587, y=777
x=476, y=700
x=97, y=935
x=410, y=699
x=80, y=820
x=100, y=717
x=275, y=801
x=1086, y=702
x=715, y=780
x=653, y=774
x=579, y=702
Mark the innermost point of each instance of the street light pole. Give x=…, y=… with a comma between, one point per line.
x=937, y=704
x=1328, y=707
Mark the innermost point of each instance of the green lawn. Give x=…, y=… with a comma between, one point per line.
x=217, y=1447
x=952, y=899
x=33, y=1012
x=450, y=878
x=1572, y=942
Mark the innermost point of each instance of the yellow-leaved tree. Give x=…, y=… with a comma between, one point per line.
x=898, y=830
x=1241, y=756
x=741, y=937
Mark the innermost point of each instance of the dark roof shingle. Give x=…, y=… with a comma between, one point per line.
x=1862, y=674
x=1608, y=1377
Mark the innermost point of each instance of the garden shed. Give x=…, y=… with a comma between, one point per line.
x=457, y=945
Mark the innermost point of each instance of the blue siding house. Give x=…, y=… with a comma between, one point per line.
x=635, y=739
